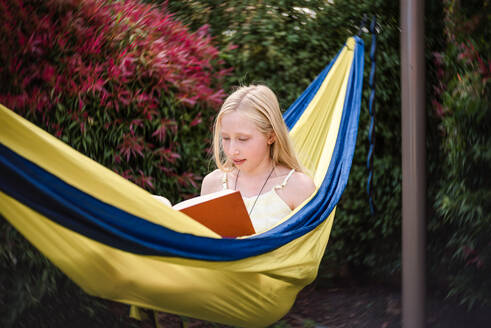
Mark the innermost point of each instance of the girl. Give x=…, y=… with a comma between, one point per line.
x=254, y=155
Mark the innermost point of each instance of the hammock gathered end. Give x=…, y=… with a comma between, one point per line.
x=117, y=242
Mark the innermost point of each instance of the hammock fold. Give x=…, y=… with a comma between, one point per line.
x=117, y=242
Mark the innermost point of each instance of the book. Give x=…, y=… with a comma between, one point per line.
x=223, y=211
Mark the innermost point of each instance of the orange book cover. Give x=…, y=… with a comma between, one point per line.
x=223, y=212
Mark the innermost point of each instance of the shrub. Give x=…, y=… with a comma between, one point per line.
x=123, y=82
x=461, y=101
x=285, y=44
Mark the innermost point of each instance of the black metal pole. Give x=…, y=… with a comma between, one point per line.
x=413, y=164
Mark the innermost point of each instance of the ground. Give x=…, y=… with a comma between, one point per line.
x=374, y=306
x=358, y=307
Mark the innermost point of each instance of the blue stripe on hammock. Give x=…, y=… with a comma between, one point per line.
x=334, y=183
x=60, y=202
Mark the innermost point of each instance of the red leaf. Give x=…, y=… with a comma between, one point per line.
x=161, y=131
x=167, y=154
x=48, y=73
x=131, y=146
x=197, y=120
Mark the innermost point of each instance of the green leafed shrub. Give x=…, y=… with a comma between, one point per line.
x=461, y=101
x=285, y=44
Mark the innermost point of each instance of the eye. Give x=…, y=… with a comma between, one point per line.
x=225, y=138
x=243, y=139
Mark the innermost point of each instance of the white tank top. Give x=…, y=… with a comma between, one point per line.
x=270, y=208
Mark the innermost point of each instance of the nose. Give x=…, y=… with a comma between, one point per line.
x=234, y=148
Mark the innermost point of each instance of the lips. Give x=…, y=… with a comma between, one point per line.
x=238, y=161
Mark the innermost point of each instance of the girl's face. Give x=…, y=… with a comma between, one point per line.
x=244, y=145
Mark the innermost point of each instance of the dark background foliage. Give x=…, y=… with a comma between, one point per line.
x=460, y=246
x=285, y=44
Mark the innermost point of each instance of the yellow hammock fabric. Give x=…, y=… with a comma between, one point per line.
x=183, y=268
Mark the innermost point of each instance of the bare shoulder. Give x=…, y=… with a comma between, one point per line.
x=300, y=187
x=303, y=182
x=212, y=182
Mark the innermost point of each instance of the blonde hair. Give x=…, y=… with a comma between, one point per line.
x=259, y=103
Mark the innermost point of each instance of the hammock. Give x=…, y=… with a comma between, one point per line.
x=117, y=242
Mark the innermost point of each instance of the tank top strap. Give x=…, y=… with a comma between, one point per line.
x=285, y=181
x=224, y=181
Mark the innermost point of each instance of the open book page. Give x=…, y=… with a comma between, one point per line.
x=201, y=199
x=223, y=211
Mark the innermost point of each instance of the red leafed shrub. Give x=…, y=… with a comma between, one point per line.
x=122, y=81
